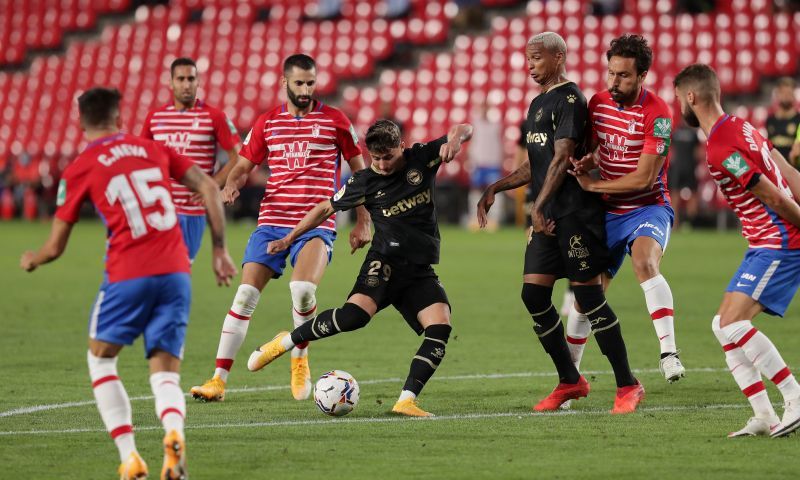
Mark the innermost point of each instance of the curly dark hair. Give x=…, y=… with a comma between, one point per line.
x=383, y=136
x=632, y=46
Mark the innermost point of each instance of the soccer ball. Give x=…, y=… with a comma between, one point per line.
x=336, y=393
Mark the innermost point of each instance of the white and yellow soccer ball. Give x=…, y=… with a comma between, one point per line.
x=336, y=393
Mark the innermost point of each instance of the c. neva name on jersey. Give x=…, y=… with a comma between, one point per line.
x=120, y=151
x=408, y=203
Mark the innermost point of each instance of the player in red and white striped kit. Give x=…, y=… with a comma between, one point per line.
x=763, y=189
x=192, y=128
x=146, y=289
x=301, y=142
x=631, y=129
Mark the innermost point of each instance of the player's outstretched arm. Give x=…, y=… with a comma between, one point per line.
x=361, y=234
x=223, y=266
x=52, y=248
x=788, y=172
x=313, y=219
x=457, y=135
x=767, y=192
x=236, y=179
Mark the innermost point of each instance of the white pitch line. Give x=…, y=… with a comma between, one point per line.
x=486, y=376
x=339, y=421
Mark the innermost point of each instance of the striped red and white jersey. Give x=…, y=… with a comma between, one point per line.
x=194, y=133
x=737, y=157
x=625, y=134
x=303, y=156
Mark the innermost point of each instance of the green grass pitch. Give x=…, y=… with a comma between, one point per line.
x=482, y=394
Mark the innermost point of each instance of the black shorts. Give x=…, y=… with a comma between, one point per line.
x=578, y=251
x=410, y=288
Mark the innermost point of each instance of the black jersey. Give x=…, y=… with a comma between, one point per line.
x=401, y=204
x=781, y=132
x=561, y=112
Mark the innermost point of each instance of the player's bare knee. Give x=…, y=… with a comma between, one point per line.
x=645, y=268
x=303, y=294
x=436, y=314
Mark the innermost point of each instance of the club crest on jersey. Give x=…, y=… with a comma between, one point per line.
x=315, y=130
x=414, y=176
x=632, y=126
x=296, y=154
x=538, y=115
x=179, y=141
x=195, y=123
x=662, y=128
x=571, y=98
x=736, y=165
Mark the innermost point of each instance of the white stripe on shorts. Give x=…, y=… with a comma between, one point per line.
x=762, y=284
x=96, y=314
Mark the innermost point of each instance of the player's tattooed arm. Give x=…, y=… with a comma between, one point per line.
x=519, y=177
x=314, y=218
x=556, y=172
x=52, y=248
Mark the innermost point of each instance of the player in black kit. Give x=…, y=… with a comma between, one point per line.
x=568, y=236
x=397, y=190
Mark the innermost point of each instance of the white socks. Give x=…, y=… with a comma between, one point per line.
x=234, y=329
x=763, y=355
x=405, y=394
x=112, y=402
x=658, y=297
x=578, y=331
x=304, y=308
x=170, y=402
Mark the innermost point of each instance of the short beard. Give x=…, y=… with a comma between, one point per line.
x=691, y=118
x=296, y=101
x=786, y=105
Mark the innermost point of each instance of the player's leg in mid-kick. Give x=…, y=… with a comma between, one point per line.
x=312, y=258
x=258, y=268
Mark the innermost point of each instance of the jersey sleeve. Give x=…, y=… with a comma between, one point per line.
x=346, y=138
x=225, y=131
x=736, y=164
x=146, y=131
x=73, y=189
x=428, y=153
x=254, y=148
x=570, y=118
x=657, y=131
x=352, y=193
x=178, y=164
